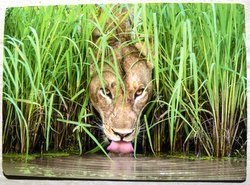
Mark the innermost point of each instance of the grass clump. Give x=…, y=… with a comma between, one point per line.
x=199, y=102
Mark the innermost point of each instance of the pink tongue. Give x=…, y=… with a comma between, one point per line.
x=120, y=147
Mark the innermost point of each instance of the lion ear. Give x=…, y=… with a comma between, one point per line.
x=142, y=48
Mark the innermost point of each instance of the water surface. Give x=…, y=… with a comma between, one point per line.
x=127, y=168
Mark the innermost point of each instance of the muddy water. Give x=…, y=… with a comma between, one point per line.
x=127, y=168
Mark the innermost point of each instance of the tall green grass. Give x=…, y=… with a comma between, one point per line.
x=199, y=77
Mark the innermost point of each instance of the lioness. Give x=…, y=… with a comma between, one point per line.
x=120, y=113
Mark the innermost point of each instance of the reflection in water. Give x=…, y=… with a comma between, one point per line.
x=128, y=168
x=122, y=166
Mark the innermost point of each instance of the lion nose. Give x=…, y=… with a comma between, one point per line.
x=122, y=134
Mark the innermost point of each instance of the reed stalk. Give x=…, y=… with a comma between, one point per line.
x=199, y=77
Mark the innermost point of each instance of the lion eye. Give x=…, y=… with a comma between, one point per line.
x=139, y=92
x=106, y=92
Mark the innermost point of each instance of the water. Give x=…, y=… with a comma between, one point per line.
x=127, y=168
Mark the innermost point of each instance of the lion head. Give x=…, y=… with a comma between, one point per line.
x=119, y=101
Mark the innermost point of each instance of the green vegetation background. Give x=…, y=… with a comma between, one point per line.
x=199, y=102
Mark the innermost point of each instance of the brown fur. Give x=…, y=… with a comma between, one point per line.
x=119, y=112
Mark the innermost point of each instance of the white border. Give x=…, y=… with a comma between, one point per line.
x=17, y=3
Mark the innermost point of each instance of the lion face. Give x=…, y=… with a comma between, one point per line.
x=120, y=110
x=119, y=101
